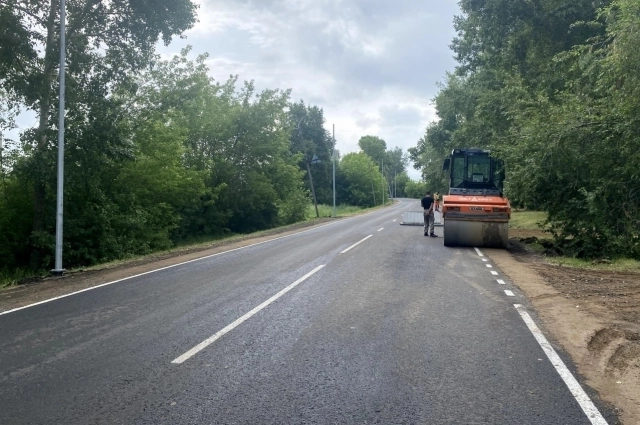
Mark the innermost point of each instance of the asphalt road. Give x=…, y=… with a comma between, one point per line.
x=396, y=330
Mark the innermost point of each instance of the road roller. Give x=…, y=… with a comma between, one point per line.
x=475, y=212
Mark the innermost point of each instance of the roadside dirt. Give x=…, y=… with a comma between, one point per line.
x=593, y=315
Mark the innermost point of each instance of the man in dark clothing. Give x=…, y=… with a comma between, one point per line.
x=428, y=203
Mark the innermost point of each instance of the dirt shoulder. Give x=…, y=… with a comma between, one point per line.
x=594, y=315
x=50, y=287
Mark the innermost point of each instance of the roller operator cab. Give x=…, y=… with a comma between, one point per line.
x=475, y=212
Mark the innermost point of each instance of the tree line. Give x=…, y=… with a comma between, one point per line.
x=157, y=152
x=552, y=88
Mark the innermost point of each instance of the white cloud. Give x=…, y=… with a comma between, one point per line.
x=372, y=65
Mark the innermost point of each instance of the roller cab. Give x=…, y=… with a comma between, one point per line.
x=475, y=212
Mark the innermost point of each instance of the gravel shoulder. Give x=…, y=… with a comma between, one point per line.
x=594, y=315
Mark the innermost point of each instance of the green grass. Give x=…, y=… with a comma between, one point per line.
x=341, y=210
x=327, y=210
x=616, y=265
x=11, y=278
x=532, y=220
x=529, y=220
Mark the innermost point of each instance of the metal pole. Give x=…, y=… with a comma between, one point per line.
x=58, y=270
x=333, y=157
x=382, y=171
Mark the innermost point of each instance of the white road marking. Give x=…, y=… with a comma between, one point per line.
x=489, y=265
x=581, y=397
x=501, y=282
x=479, y=252
x=182, y=263
x=394, y=221
x=484, y=259
x=355, y=244
x=213, y=338
x=509, y=293
x=380, y=229
x=493, y=272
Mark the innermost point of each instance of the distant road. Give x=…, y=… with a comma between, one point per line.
x=360, y=321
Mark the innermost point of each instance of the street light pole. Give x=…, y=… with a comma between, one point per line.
x=58, y=270
x=333, y=158
x=382, y=171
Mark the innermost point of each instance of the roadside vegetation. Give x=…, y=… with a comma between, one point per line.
x=553, y=89
x=158, y=154
x=529, y=228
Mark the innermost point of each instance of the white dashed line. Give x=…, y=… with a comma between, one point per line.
x=581, y=397
x=355, y=244
x=509, y=293
x=501, y=282
x=493, y=272
x=479, y=252
x=380, y=229
x=178, y=264
x=394, y=221
x=484, y=259
x=213, y=338
x=489, y=265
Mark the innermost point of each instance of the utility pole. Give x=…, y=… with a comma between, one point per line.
x=313, y=191
x=395, y=185
x=58, y=270
x=333, y=158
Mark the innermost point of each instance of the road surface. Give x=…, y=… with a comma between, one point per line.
x=360, y=321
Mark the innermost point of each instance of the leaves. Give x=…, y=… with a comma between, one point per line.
x=552, y=88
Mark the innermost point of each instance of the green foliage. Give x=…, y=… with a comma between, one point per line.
x=308, y=138
x=416, y=189
x=327, y=210
x=363, y=181
x=552, y=88
x=166, y=157
x=374, y=147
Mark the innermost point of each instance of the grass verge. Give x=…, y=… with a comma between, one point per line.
x=525, y=224
x=19, y=276
x=620, y=265
x=527, y=220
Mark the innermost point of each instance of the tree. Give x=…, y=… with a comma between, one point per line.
x=106, y=43
x=309, y=138
x=362, y=179
x=373, y=146
x=550, y=88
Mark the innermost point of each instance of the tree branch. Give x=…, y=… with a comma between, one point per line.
x=12, y=5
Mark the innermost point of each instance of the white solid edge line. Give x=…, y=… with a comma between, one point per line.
x=213, y=338
x=493, y=272
x=355, y=244
x=578, y=393
x=479, y=252
x=501, y=282
x=380, y=229
x=509, y=293
x=182, y=263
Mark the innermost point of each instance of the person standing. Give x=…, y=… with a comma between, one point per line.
x=428, y=203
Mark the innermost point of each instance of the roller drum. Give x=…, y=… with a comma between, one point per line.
x=476, y=233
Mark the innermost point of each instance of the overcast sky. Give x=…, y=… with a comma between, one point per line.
x=371, y=65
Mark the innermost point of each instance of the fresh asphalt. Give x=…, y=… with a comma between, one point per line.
x=397, y=330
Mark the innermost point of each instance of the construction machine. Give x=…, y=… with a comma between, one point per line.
x=475, y=212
